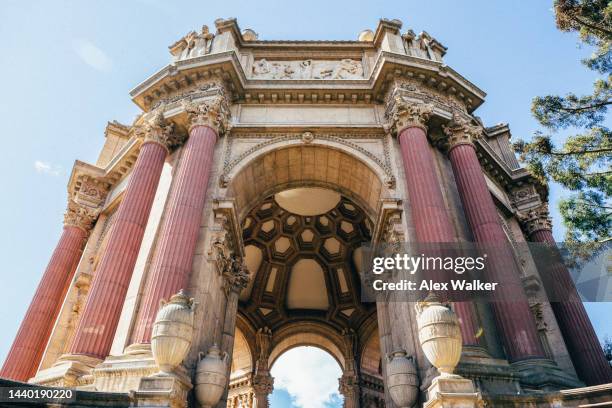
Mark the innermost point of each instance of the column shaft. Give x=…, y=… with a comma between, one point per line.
x=29, y=344
x=578, y=333
x=172, y=262
x=96, y=328
x=431, y=221
x=514, y=317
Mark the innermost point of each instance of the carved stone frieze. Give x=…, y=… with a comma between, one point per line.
x=461, y=131
x=213, y=112
x=155, y=128
x=90, y=191
x=307, y=69
x=536, y=219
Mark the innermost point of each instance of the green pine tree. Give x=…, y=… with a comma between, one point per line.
x=583, y=162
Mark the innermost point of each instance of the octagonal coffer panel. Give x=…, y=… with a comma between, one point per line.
x=308, y=263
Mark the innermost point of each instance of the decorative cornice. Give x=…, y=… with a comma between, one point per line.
x=213, y=112
x=536, y=219
x=402, y=114
x=156, y=129
x=460, y=131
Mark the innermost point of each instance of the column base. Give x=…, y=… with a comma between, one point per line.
x=123, y=373
x=70, y=370
x=452, y=391
x=163, y=390
x=542, y=374
x=494, y=376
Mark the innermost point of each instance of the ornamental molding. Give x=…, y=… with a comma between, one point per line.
x=156, y=129
x=80, y=216
x=263, y=384
x=460, y=131
x=389, y=228
x=536, y=219
x=87, y=192
x=384, y=164
x=524, y=197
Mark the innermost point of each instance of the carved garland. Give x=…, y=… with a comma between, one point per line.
x=229, y=165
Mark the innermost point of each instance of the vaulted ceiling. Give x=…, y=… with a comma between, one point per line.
x=304, y=267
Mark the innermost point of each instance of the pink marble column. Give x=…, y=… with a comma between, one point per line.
x=172, y=262
x=578, y=333
x=431, y=221
x=513, y=317
x=29, y=344
x=98, y=322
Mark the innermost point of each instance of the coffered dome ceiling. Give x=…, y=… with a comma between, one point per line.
x=301, y=250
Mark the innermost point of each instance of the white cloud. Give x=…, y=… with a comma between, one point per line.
x=309, y=375
x=92, y=55
x=47, y=168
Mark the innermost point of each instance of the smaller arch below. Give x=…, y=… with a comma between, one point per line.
x=307, y=334
x=370, y=356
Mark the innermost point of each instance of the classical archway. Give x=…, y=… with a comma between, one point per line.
x=305, y=212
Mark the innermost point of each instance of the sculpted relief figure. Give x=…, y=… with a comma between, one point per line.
x=307, y=69
x=192, y=45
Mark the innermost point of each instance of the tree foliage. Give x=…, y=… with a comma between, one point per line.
x=607, y=348
x=582, y=162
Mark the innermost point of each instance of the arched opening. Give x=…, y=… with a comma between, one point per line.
x=306, y=211
x=306, y=377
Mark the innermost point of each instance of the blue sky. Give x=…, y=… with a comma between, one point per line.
x=68, y=66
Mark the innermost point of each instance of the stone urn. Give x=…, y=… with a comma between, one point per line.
x=439, y=334
x=172, y=332
x=402, y=379
x=211, y=377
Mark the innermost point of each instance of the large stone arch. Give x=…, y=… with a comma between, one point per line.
x=346, y=169
x=242, y=356
x=307, y=334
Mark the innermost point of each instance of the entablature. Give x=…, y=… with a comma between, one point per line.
x=306, y=72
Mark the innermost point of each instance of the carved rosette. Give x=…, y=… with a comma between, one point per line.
x=156, y=129
x=460, y=131
x=536, y=219
x=403, y=114
x=213, y=112
x=81, y=216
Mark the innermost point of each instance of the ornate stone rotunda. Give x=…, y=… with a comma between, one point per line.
x=225, y=225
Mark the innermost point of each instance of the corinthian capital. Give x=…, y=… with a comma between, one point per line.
x=213, y=112
x=80, y=216
x=536, y=219
x=403, y=114
x=158, y=130
x=460, y=131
